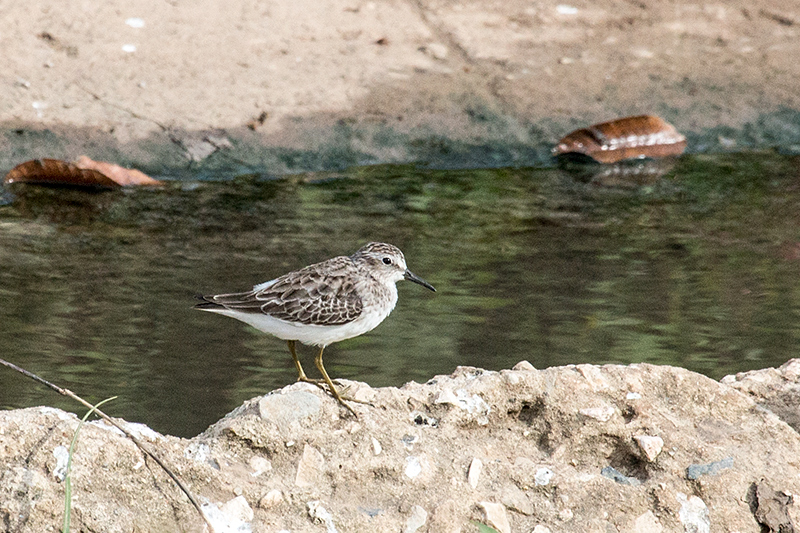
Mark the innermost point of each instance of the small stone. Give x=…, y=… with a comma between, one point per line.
x=516, y=500
x=199, y=452
x=61, y=453
x=376, y=446
x=413, y=466
x=651, y=446
x=647, y=523
x=541, y=529
x=416, y=520
x=565, y=515
x=320, y=514
x=474, y=472
x=309, y=469
x=693, y=514
x=524, y=366
x=603, y=414
x=612, y=473
x=271, y=499
x=711, y=469
x=259, y=465
x=633, y=396
x=543, y=476
x=563, y=9
x=496, y=516
x=472, y=404
x=437, y=50
x=237, y=509
x=283, y=408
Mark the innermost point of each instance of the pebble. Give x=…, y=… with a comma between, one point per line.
x=603, y=414
x=416, y=520
x=319, y=513
x=647, y=523
x=711, y=469
x=541, y=529
x=612, y=473
x=61, y=453
x=437, y=50
x=238, y=508
x=413, y=466
x=259, y=465
x=543, y=476
x=524, y=366
x=693, y=514
x=516, y=500
x=651, y=446
x=283, y=408
x=271, y=499
x=472, y=404
x=233, y=515
x=376, y=446
x=474, y=472
x=310, y=467
x=496, y=516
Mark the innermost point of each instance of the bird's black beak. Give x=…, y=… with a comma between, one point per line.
x=410, y=276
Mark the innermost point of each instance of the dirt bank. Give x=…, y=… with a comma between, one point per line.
x=583, y=448
x=289, y=86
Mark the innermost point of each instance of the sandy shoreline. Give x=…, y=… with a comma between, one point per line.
x=295, y=86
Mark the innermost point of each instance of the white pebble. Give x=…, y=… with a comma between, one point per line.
x=651, y=446
x=135, y=22
x=543, y=476
x=474, y=472
x=413, y=466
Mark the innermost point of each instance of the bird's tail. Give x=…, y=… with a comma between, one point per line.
x=206, y=303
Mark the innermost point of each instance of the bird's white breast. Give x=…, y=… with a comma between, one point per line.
x=376, y=308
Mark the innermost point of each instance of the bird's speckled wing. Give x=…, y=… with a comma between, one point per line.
x=323, y=294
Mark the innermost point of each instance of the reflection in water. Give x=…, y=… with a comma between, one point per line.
x=698, y=268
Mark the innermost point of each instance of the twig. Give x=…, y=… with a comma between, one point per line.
x=136, y=441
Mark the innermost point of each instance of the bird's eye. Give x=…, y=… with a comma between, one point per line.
x=387, y=261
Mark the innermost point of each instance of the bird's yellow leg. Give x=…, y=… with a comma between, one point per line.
x=301, y=375
x=334, y=392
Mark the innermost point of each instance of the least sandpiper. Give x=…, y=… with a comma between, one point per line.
x=323, y=303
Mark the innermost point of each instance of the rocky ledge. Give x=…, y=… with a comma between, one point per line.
x=637, y=448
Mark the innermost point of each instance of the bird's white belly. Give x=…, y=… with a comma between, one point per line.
x=312, y=334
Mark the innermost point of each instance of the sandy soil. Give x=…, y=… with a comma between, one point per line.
x=354, y=81
x=590, y=449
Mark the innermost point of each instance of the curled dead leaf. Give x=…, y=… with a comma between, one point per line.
x=624, y=138
x=121, y=175
x=84, y=173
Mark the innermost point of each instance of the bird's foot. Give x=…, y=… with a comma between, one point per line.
x=317, y=382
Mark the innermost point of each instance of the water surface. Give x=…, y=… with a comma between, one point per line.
x=698, y=267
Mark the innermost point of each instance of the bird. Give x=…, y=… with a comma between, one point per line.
x=323, y=303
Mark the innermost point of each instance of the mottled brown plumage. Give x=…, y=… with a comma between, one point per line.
x=322, y=303
x=322, y=294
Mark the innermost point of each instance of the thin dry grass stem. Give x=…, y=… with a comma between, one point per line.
x=142, y=446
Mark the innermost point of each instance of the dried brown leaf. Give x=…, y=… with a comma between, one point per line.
x=624, y=138
x=120, y=175
x=84, y=173
x=57, y=172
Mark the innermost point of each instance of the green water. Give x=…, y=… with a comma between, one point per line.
x=699, y=267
